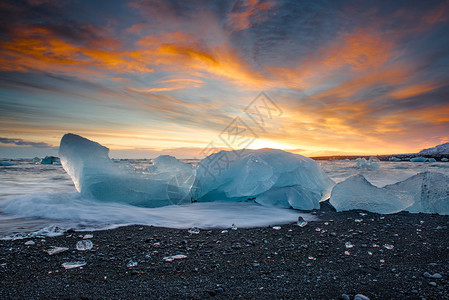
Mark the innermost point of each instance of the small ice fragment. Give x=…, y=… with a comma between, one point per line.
x=326, y=223
x=382, y=261
x=173, y=257
x=358, y=220
x=194, y=230
x=349, y=245
x=301, y=222
x=131, y=264
x=30, y=243
x=290, y=230
x=55, y=250
x=224, y=231
x=362, y=214
x=84, y=245
x=73, y=264
x=277, y=227
x=370, y=253
x=234, y=227
x=318, y=229
x=388, y=246
x=312, y=258
x=375, y=246
x=347, y=253
x=88, y=236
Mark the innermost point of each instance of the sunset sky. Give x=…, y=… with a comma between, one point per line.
x=146, y=78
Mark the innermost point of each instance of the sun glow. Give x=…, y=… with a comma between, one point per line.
x=262, y=143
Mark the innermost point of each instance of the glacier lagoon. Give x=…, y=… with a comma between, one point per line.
x=43, y=199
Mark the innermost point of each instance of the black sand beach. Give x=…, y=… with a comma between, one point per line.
x=258, y=263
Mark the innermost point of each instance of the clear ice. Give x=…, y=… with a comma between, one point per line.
x=267, y=176
x=357, y=193
x=96, y=176
x=84, y=245
x=430, y=192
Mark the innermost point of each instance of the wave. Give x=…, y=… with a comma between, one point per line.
x=71, y=208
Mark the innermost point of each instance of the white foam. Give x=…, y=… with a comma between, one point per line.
x=74, y=209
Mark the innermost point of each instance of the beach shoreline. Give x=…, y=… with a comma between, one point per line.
x=379, y=256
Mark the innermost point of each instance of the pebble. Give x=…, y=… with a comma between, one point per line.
x=360, y=297
x=432, y=283
x=345, y=297
x=434, y=276
x=30, y=243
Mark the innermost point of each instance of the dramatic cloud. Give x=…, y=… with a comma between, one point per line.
x=20, y=142
x=152, y=74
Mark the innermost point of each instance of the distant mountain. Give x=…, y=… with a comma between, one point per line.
x=440, y=149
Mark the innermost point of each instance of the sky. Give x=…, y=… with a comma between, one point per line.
x=188, y=78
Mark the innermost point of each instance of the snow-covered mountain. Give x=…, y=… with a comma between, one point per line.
x=440, y=149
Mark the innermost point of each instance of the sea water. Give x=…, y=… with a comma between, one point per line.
x=42, y=200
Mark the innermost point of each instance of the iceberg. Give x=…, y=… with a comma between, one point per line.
x=6, y=163
x=418, y=159
x=49, y=160
x=96, y=176
x=430, y=191
x=266, y=176
x=357, y=193
x=444, y=159
x=394, y=159
x=431, y=160
x=371, y=163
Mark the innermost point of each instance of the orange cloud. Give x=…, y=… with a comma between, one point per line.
x=247, y=13
x=37, y=48
x=414, y=90
x=171, y=85
x=181, y=52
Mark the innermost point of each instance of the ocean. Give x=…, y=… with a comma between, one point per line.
x=42, y=200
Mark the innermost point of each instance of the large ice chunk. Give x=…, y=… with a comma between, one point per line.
x=95, y=175
x=357, y=193
x=430, y=192
x=268, y=176
x=418, y=159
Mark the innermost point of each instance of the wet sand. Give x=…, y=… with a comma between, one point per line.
x=381, y=257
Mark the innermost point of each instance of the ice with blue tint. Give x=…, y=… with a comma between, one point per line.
x=357, y=193
x=96, y=176
x=6, y=163
x=418, y=159
x=267, y=176
x=430, y=191
x=371, y=163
